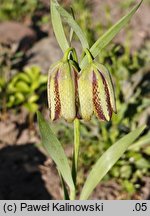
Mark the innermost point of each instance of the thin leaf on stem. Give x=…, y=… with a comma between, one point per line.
x=144, y=141
x=107, y=160
x=58, y=28
x=71, y=30
x=72, y=23
x=55, y=150
x=103, y=41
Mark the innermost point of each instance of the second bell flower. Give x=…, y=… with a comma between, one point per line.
x=96, y=92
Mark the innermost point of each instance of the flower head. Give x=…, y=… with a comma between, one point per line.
x=62, y=90
x=96, y=92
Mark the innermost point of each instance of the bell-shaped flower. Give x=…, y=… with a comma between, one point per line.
x=96, y=92
x=62, y=90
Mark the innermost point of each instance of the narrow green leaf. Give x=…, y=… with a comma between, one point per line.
x=107, y=160
x=72, y=23
x=55, y=150
x=109, y=35
x=58, y=28
x=71, y=30
x=144, y=141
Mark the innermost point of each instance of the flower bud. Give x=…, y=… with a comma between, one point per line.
x=96, y=92
x=62, y=90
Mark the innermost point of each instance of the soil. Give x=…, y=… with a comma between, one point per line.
x=25, y=171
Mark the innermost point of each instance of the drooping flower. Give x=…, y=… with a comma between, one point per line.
x=96, y=92
x=62, y=90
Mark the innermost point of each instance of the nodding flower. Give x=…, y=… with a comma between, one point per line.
x=62, y=89
x=96, y=91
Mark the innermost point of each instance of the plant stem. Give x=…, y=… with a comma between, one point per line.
x=75, y=153
x=76, y=141
x=89, y=55
x=66, y=54
x=71, y=30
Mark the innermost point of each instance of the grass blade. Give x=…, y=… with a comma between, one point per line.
x=144, y=141
x=71, y=30
x=109, y=35
x=55, y=150
x=107, y=160
x=58, y=28
x=72, y=23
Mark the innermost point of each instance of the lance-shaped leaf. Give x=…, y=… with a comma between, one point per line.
x=72, y=23
x=107, y=160
x=109, y=35
x=55, y=150
x=58, y=28
x=143, y=142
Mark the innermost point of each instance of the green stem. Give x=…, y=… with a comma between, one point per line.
x=89, y=55
x=71, y=30
x=73, y=52
x=75, y=153
x=76, y=141
x=66, y=54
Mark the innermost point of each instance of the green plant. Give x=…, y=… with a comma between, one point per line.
x=25, y=88
x=17, y=9
x=7, y=60
x=56, y=103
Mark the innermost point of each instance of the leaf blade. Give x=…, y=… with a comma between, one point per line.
x=110, y=34
x=72, y=23
x=107, y=160
x=58, y=28
x=55, y=150
x=144, y=141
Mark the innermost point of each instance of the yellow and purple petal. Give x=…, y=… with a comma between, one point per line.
x=103, y=70
x=85, y=94
x=96, y=93
x=62, y=91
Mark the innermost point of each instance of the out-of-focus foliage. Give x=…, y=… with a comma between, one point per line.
x=8, y=59
x=17, y=9
x=25, y=88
